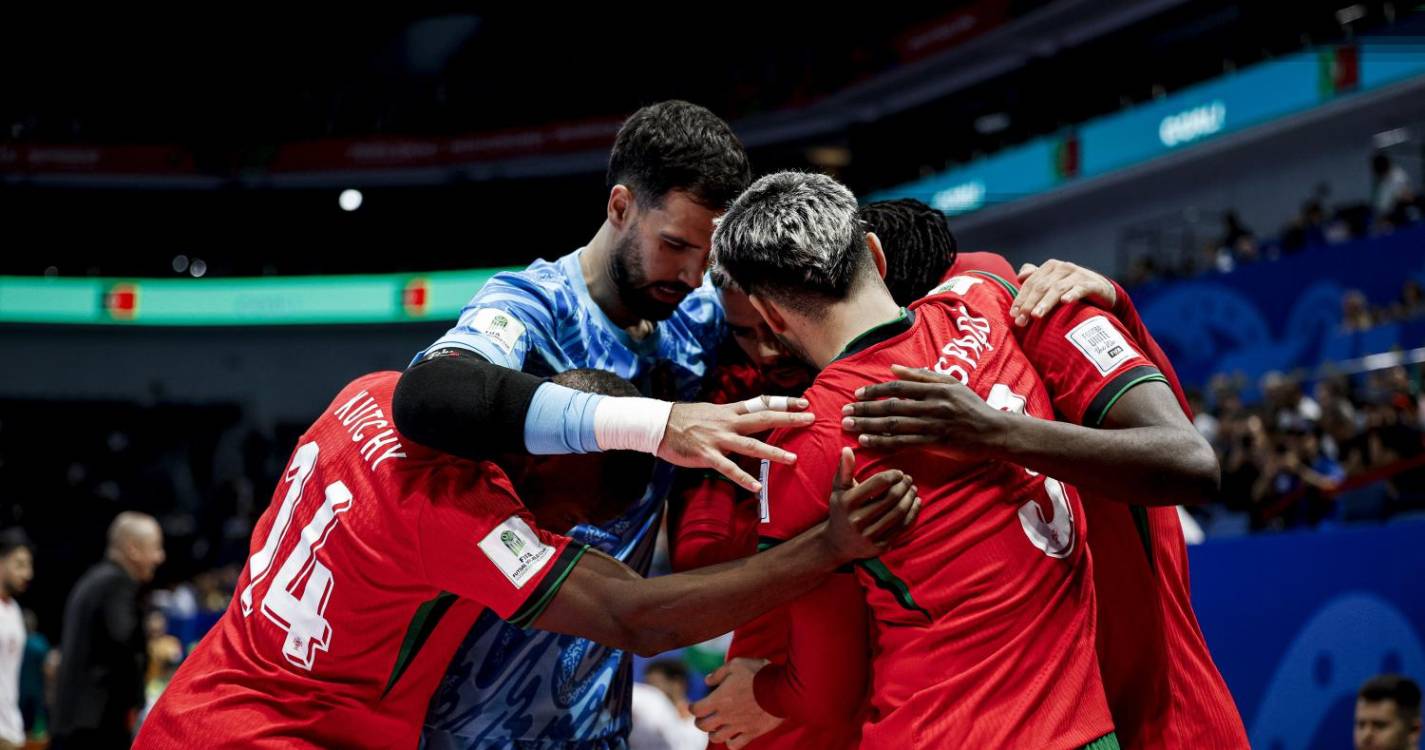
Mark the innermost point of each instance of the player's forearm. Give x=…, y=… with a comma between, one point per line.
x=672, y=611
x=1150, y=465
x=461, y=404
x=823, y=680
x=458, y=402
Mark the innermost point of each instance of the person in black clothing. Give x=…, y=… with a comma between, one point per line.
x=103, y=653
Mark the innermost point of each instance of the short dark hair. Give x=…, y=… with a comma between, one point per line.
x=918, y=245
x=796, y=236
x=677, y=145
x=12, y=539
x=1394, y=687
x=590, y=380
x=625, y=473
x=670, y=668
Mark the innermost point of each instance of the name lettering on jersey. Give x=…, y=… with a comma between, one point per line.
x=362, y=414
x=516, y=550
x=1101, y=344
x=969, y=347
x=498, y=326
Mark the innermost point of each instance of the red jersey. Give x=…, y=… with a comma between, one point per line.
x=714, y=521
x=346, y=614
x=983, y=613
x=987, y=262
x=1163, y=687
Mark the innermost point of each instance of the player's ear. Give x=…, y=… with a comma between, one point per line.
x=620, y=206
x=878, y=254
x=769, y=313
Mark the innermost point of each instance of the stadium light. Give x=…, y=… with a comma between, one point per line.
x=349, y=200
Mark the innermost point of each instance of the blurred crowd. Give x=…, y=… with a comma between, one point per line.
x=1341, y=449
x=1394, y=203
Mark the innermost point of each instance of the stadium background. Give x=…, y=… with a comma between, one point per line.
x=187, y=275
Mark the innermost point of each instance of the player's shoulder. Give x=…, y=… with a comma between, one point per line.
x=981, y=261
x=984, y=295
x=540, y=280
x=374, y=389
x=975, y=284
x=826, y=396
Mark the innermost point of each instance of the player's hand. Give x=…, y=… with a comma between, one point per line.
x=1043, y=287
x=701, y=436
x=924, y=409
x=864, y=517
x=730, y=714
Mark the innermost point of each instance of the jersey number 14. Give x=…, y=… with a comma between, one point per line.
x=296, y=600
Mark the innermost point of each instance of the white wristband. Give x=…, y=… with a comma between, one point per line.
x=631, y=424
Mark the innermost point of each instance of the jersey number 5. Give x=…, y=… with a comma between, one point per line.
x=296, y=600
x=1054, y=535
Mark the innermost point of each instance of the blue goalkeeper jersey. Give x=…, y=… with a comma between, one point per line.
x=514, y=688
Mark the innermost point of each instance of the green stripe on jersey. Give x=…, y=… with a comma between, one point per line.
x=1011, y=288
x=888, y=581
x=549, y=587
x=423, y=623
x=1107, y=742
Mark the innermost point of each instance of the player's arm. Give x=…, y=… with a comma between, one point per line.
x=458, y=402
x=1147, y=453
x=605, y=601
x=1042, y=288
x=703, y=520
x=822, y=682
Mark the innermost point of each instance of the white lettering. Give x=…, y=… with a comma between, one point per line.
x=1193, y=124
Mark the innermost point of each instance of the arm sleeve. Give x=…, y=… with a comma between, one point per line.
x=1087, y=359
x=457, y=402
x=479, y=542
x=823, y=679
x=1127, y=314
x=794, y=498
x=708, y=525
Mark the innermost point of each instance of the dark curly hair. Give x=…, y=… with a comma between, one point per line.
x=677, y=145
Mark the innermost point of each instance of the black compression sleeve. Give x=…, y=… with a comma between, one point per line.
x=455, y=401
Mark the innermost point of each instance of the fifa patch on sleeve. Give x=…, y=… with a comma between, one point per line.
x=498, y=326
x=764, y=514
x=1101, y=344
x=516, y=550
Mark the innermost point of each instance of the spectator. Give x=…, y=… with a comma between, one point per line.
x=662, y=719
x=33, y=687
x=1391, y=195
x=1306, y=230
x=1238, y=242
x=1411, y=303
x=16, y=570
x=104, y=655
x=164, y=654
x=1388, y=714
x=1355, y=312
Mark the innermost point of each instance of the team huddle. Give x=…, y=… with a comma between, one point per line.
x=934, y=500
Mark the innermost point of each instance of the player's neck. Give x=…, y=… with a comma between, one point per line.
x=596, y=264
x=844, y=321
